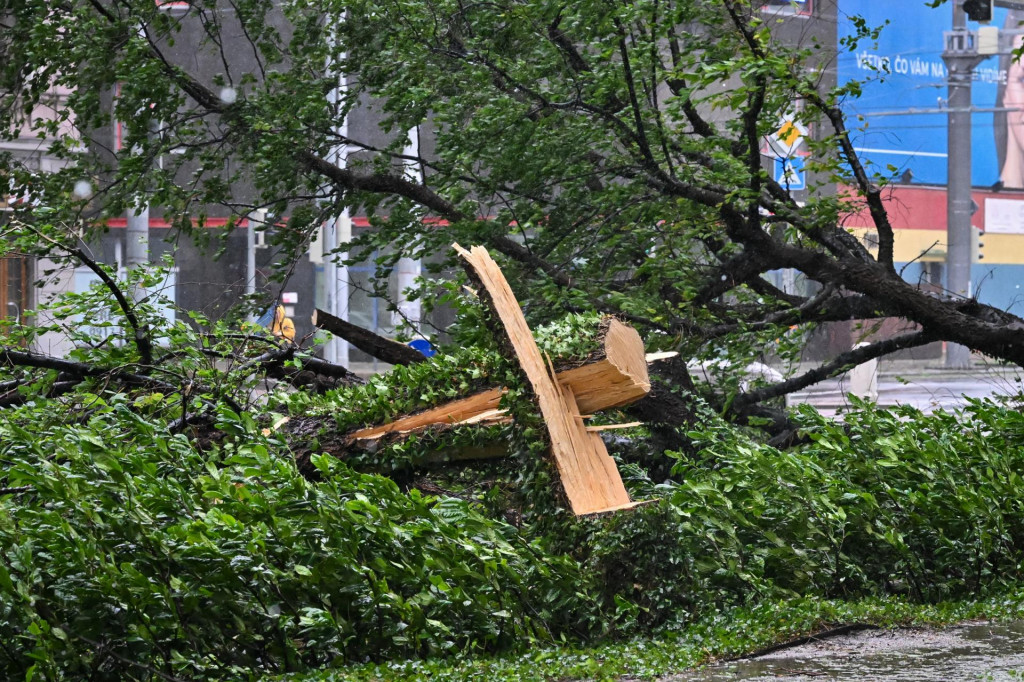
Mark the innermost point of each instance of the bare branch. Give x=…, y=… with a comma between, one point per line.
x=838, y=365
x=140, y=331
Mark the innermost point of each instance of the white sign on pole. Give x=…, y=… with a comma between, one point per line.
x=788, y=137
x=1004, y=216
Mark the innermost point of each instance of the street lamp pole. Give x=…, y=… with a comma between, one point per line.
x=960, y=56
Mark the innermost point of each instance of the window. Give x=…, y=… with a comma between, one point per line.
x=161, y=296
x=791, y=7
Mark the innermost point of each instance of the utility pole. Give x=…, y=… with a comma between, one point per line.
x=337, y=230
x=250, y=257
x=136, y=237
x=257, y=219
x=136, y=252
x=409, y=269
x=960, y=56
x=136, y=244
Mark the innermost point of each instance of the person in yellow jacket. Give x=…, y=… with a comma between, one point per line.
x=282, y=327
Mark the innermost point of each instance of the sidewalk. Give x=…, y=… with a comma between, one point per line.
x=926, y=385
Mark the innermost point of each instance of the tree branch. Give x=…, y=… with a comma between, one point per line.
x=838, y=365
x=378, y=346
x=140, y=331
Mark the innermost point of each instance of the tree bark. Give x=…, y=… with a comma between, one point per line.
x=378, y=346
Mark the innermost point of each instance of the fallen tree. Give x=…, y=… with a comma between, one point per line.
x=141, y=497
x=154, y=491
x=613, y=375
x=231, y=560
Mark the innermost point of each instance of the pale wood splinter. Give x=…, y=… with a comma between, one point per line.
x=588, y=473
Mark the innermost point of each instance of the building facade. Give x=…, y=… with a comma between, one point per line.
x=902, y=117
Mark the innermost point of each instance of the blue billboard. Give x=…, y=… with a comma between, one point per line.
x=905, y=89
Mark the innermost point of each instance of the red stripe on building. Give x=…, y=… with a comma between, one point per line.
x=923, y=208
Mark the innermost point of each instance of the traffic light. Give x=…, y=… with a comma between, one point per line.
x=977, y=254
x=978, y=10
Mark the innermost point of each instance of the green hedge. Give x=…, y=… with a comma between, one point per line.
x=128, y=553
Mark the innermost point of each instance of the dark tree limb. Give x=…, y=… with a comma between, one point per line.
x=838, y=365
x=71, y=370
x=810, y=639
x=558, y=37
x=140, y=331
x=975, y=325
x=377, y=346
x=312, y=369
x=872, y=192
x=667, y=412
x=14, y=398
x=809, y=310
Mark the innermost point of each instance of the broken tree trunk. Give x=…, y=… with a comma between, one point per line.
x=380, y=347
x=616, y=375
x=619, y=364
x=588, y=474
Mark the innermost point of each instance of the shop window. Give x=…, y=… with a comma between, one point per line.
x=162, y=297
x=791, y=7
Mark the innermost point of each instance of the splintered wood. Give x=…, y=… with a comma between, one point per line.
x=589, y=476
x=618, y=378
x=465, y=411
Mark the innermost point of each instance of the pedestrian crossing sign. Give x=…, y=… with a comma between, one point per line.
x=789, y=172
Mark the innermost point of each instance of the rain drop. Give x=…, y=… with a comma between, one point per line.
x=82, y=190
x=228, y=95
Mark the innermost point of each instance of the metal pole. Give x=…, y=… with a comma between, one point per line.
x=329, y=239
x=337, y=232
x=255, y=219
x=960, y=56
x=136, y=251
x=136, y=238
x=250, y=257
x=409, y=269
x=343, y=234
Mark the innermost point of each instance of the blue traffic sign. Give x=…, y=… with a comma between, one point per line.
x=789, y=172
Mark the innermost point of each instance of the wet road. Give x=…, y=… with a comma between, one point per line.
x=926, y=390
x=981, y=651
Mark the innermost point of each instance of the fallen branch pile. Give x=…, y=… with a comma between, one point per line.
x=613, y=376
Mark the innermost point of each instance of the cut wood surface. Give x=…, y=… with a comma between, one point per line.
x=380, y=347
x=618, y=378
x=456, y=412
x=589, y=476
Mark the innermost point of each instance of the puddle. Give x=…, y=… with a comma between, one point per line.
x=981, y=651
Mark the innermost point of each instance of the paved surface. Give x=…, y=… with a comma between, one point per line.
x=926, y=387
x=978, y=651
